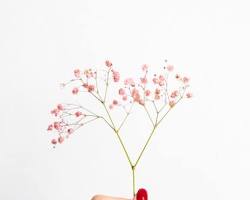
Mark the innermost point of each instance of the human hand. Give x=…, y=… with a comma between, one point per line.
x=141, y=195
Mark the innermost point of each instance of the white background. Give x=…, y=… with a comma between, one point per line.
x=201, y=152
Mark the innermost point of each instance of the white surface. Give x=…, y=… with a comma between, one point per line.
x=201, y=152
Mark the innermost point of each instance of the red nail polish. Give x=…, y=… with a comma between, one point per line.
x=142, y=194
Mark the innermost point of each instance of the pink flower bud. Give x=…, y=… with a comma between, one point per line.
x=185, y=80
x=174, y=94
x=57, y=125
x=116, y=76
x=124, y=98
x=70, y=130
x=75, y=90
x=189, y=95
x=59, y=107
x=53, y=141
x=129, y=81
x=91, y=88
x=50, y=127
x=121, y=91
x=144, y=80
x=77, y=73
x=108, y=63
x=170, y=68
x=78, y=114
x=115, y=102
x=60, y=139
x=147, y=93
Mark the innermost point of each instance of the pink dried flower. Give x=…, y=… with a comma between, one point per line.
x=155, y=80
x=78, y=114
x=54, y=141
x=57, y=125
x=170, y=68
x=50, y=127
x=77, y=73
x=85, y=85
x=144, y=80
x=60, y=139
x=174, y=94
x=189, y=95
x=124, y=98
x=135, y=95
x=70, y=130
x=116, y=76
x=147, y=93
x=55, y=112
x=75, y=90
x=129, y=81
x=185, y=80
x=121, y=91
x=60, y=107
x=108, y=63
x=115, y=102
x=91, y=88
x=157, y=91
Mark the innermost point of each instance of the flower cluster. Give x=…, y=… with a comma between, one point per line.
x=146, y=89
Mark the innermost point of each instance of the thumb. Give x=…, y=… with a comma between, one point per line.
x=142, y=194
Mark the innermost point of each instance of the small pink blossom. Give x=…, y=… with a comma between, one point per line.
x=157, y=91
x=177, y=76
x=189, y=95
x=77, y=73
x=60, y=107
x=75, y=90
x=60, y=139
x=116, y=76
x=50, y=127
x=91, y=88
x=147, y=93
x=54, y=141
x=161, y=78
x=108, y=63
x=185, y=80
x=57, y=125
x=124, y=98
x=174, y=94
x=155, y=80
x=129, y=81
x=78, y=114
x=144, y=67
x=170, y=68
x=135, y=95
x=55, y=112
x=115, y=102
x=85, y=85
x=144, y=80
x=70, y=130
x=121, y=91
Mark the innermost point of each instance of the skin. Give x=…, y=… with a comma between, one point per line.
x=103, y=197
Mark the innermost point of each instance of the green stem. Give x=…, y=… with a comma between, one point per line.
x=133, y=173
